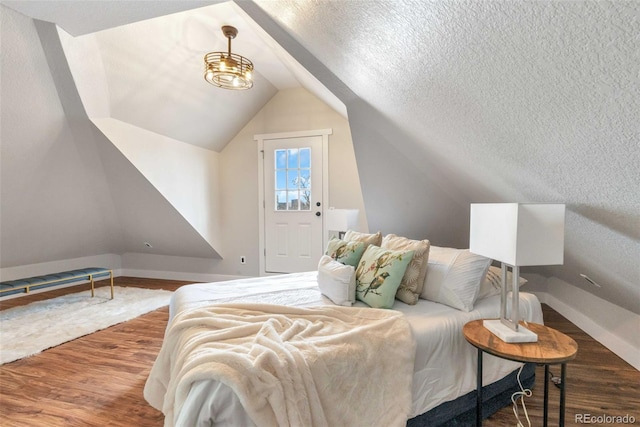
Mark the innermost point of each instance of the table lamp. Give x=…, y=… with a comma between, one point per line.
x=517, y=235
x=339, y=221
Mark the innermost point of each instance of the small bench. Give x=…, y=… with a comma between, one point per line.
x=10, y=287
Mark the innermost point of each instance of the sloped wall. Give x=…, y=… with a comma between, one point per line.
x=67, y=192
x=185, y=175
x=55, y=199
x=145, y=215
x=404, y=192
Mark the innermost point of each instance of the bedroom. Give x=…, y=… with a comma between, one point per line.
x=565, y=131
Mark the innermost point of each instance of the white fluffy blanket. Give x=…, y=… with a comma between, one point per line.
x=322, y=366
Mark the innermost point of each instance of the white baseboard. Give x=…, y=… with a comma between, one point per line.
x=594, y=322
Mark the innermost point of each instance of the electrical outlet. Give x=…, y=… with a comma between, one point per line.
x=243, y=260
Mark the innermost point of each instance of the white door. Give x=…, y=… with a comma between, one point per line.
x=293, y=194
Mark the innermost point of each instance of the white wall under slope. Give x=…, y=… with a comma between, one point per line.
x=186, y=175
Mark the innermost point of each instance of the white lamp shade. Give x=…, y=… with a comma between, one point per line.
x=518, y=234
x=341, y=219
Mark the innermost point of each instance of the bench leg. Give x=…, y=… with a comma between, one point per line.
x=111, y=276
x=92, y=287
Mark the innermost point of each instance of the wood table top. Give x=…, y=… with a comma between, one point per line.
x=552, y=346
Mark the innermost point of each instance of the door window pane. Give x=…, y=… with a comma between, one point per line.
x=281, y=179
x=305, y=157
x=293, y=179
x=305, y=178
x=305, y=201
x=292, y=158
x=292, y=200
x=281, y=159
x=281, y=200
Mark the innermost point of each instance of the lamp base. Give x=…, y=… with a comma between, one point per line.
x=507, y=334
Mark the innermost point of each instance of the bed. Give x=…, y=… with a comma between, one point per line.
x=442, y=377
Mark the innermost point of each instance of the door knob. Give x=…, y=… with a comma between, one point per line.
x=318, y=203
x=318, y=214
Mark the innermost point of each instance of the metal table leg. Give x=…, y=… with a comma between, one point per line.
x=546, y=395
x=563, y=372
x=479, y=390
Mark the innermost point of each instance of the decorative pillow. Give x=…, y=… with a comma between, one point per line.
x=346, y=252
x=368, y=239
x=454, y=277
x=413, y=280
x=337, y=281
x=491, y=284
x=379, y=274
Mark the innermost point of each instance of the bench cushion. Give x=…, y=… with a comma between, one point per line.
x=15, y=286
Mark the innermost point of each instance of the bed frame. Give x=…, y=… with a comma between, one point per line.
x=462, y=411
x=458, y=412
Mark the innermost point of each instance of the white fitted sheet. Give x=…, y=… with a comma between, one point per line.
x=445, y=364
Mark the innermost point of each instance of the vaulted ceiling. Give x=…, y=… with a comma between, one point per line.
x=151, y=70
x=449, y=103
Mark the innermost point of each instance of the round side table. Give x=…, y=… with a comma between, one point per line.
x=553, y=347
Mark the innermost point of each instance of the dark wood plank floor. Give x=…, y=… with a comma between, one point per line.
x=97, y=380
x=598, y=383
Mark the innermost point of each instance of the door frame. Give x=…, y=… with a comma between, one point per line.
x=260, y=138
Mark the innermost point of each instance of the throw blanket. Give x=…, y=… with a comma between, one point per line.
x=321, y=366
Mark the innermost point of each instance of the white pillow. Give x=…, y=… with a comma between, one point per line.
x=454, y=277
x=491, y=283
x=337, y=281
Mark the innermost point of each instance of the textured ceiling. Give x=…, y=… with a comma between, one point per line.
x=550, y=86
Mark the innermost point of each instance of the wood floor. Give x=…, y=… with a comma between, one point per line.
x=97, y=380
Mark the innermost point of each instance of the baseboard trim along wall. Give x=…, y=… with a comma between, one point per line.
x=612, y=326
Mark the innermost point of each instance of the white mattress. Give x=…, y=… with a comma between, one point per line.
x=445, y=364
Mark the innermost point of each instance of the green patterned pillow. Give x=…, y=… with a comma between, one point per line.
x=348, y=253
x=379, y=274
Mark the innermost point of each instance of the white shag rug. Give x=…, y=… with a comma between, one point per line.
x=30, y=329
